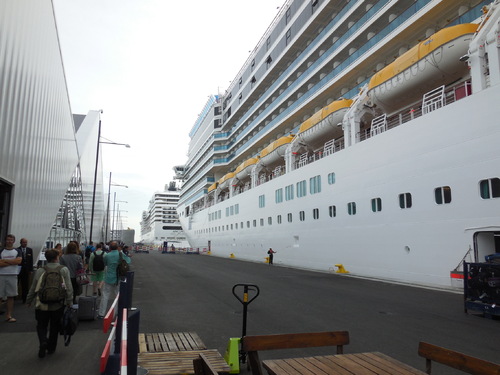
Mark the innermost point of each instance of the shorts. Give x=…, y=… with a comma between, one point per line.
x=97, y=276
x=8, y=286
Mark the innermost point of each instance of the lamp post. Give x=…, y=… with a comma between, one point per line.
x=107, y=210
x=114, y=205
x=96, y=169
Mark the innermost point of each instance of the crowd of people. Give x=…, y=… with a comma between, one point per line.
x=54, y=285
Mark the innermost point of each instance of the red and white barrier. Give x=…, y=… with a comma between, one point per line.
x=123, y=347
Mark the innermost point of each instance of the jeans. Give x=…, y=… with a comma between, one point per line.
x=108, y=292
x=44, y=318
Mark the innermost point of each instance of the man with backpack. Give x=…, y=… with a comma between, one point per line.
x=89, y=250
x=96, y=267
x=112, y=261
x=51, y=290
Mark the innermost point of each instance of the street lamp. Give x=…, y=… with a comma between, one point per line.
x=107, y=210
x=114, y=203
x=95, y=171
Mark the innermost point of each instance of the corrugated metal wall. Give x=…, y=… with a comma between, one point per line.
x=38, y=149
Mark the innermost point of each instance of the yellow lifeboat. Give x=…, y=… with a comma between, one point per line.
x=275, y=152
x=224, y=181
x=430, y=64
x=245, y=168
x=212, y=187
x=324, y=124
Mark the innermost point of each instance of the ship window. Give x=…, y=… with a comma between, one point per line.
x=220, y=214
x=270, y=220
x=269, y=60
x=279, y=195
x=248, y=224
x=351, y=208
x=302, y=215
x=253, y=65
x=231, y=210
x=236, y=226
x=376, y=204
x=241, y=81
x=278, y=219
x=231, y=226
x=227, y=226
x=268, y=43
x=316, y=213
x=288, y=15
x=405, y=200
x=237, y=209
x=254, y=223
x=227, y=211
x=331, y=178
x=262, y=201
x=489, y=188
x=288, y=36
x=442, y=195
x=289, y=192
x=332, y=211
x=261, y=222
x=301, y=189
x=289, y=216
x=315, y=184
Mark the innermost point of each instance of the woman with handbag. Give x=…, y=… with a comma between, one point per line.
x=74, y=262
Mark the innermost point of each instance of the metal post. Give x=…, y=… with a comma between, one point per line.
x=113, y=224
x=107, y=211
x=95, y=181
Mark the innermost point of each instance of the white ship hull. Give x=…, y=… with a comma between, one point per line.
x=455, y=146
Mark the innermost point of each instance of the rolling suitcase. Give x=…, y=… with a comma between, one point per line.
x=87, y=308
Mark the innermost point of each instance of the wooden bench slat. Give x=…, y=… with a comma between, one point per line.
x=172, y=345
x=295, y=340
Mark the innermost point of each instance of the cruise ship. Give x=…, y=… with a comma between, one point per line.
x=359, y=136
x=160, y=223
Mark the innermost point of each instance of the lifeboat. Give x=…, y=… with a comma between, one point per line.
x=275, y=152
x=430, y=64
x=245, y=168
x=212, y=187
x=324, y=124
x=224, y=181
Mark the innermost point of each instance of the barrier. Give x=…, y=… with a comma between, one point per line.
x=119, y=356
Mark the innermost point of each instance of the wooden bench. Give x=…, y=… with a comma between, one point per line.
x=180, y=362
x=202, y=366
x=456, y=360
x=169, y=342
x=252, y=344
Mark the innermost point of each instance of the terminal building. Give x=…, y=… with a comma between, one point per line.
x=48, y=168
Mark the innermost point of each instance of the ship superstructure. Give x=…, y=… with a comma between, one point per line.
x=357, y=133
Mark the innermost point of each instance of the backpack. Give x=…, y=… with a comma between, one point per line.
x=98, y=263
x=69, y=323
x=88, y=251
x=122, y=267
x=52, y=288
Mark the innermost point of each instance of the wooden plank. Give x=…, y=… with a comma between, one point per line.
x=387, y=362
x=199, y=343
x=143, y=347
x=156, y=343
x=172, y=345
x=295, y=340
x=163, y=342
x=178, y=341
x=186, y=341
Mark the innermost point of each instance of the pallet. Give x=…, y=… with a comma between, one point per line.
x=179, y=362
x=169, y=342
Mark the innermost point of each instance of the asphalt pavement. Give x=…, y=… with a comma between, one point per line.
x=194, y=293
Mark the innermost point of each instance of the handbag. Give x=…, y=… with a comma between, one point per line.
x=69, y=324
x=81, y=277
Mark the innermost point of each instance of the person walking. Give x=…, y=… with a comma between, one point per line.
x=111, y=279
x=96, y=267
x=49, y=313
x=24, y=275
x=10, y=259
x=74, y=262
x=270, y=253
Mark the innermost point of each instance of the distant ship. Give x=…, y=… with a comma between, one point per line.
x=160, y=224
x=358, y=135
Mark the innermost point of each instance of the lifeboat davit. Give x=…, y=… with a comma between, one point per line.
x=224, y=181
x=212, y=187
x=324, y=124
x=275, y=152
x=244, y=169
x=428, y=65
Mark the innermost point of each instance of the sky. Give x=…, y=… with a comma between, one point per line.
x=151, y=65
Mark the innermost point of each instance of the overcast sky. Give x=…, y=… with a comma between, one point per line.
x=150, y=65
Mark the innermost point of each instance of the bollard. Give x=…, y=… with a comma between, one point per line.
x=341, y=268
x=134, y=316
